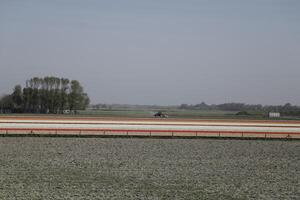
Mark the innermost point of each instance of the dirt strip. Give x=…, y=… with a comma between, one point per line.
x=62, y=117
x=149, y=133
x=159, y=124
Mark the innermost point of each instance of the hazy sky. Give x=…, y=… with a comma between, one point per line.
x=156, y=51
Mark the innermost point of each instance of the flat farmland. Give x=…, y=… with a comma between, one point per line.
x=135, y=168
x=148, y=127
x=172, y=112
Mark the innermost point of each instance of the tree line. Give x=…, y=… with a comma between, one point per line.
x=286, y=109
x=45, y=95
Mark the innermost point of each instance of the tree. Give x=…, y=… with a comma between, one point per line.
x=64, y=93
x=17, y=99
x=6, y=104
x=46, y=95
x=77, y=99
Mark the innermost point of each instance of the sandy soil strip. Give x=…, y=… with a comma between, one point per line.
x=162, y=122
x=168, y=120
x=150, y=127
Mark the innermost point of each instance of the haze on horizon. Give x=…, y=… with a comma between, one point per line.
x=162, y=52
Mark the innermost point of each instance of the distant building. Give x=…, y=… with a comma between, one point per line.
x=274, y=114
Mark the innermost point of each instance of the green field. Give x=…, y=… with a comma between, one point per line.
x=172, y=113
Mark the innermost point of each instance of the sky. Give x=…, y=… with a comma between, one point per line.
x=163, y=52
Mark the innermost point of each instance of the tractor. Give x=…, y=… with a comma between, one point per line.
x=160, y=115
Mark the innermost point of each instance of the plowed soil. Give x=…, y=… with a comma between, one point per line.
x=125, y=168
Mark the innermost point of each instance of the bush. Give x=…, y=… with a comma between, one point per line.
x=243, y=113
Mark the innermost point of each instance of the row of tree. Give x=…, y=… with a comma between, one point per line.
x=287, y=109
x=45, y=95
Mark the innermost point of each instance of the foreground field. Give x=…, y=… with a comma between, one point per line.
x=103, y=168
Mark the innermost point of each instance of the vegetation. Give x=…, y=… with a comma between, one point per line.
x=222, y=111
x=227, y=111
x=243, y=113
x=246, y=109
x=172, y=112
x=45, y=95
x=56, y=95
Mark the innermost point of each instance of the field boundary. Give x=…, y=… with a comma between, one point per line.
x=95, y=118
x=157, y=124
x=88, y=132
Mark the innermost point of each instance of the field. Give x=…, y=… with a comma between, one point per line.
x=116, y=168
x=176, y=113
x=173, y=113
x=150, y=127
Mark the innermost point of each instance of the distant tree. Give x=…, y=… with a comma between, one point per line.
x=184, y=106
x=242, y=113
x=27, y=99
x=64, y=93
x=6, y=104
x=77, y=98
x=17, y=99
x=202, y=106
x=46, y=95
